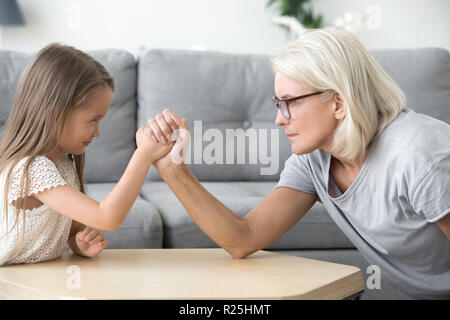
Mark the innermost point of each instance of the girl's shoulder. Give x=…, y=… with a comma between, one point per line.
x=43, y=174
x=40, y=164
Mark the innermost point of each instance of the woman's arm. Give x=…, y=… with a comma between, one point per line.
x=240, y=237
x=270, y=219
x=444, y=225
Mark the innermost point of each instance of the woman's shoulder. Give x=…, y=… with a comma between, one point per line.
x=315, y=161
x=417, y=135
x=417, y=128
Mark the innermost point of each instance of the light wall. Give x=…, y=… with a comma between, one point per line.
x=242, y=26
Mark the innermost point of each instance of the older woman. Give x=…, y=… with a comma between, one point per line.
x=381, y=170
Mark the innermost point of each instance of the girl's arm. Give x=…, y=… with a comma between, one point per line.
x=109, y=213
x=76, y=227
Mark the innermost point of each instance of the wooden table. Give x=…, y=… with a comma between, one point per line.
x=180, y=274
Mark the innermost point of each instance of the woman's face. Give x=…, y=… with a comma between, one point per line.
x=312, y=122
x=82, y=124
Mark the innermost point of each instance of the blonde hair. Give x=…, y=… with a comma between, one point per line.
x=334, y=61
x=58, y=80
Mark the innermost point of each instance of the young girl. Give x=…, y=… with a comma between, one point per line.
x=62, y=96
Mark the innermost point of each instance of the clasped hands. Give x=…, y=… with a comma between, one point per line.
x=165, y=139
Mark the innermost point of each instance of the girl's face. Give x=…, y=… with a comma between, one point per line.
x=82, y=124
x=312, y=122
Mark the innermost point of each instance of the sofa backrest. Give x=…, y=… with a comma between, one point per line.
x=227, y=100
x=108, y=155
x=423, y=75
x=233, y=92
x=215, y=92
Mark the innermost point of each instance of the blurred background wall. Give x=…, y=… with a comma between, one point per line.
x=238, y=26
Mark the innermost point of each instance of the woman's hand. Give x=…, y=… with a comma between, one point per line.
x=167, y=128
x=88, y=242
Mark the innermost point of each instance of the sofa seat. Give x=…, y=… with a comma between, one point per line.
x=315, y=230
x=142, y=228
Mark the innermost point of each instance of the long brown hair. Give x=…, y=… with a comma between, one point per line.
x=58, y=80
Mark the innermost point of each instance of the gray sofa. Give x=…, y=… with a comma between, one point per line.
x=223, y=91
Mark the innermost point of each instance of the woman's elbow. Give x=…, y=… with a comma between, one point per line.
x=240, y=253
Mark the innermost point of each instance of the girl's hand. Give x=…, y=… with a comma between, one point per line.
x=169, y=127
x=89, y=242
x=149, y=147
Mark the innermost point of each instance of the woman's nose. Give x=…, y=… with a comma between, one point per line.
x=280, y=120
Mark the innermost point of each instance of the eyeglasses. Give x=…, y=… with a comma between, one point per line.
x=283, y=104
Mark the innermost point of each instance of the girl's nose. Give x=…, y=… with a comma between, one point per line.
x=97, y=132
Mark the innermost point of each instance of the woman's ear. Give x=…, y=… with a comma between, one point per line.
x=339, y=109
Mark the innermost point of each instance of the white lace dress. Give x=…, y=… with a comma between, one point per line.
x=46, y=231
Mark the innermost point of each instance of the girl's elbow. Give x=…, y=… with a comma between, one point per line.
x=111, y=226
x=109, y=221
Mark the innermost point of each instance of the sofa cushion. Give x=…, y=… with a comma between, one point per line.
x=117, y=129
x=141, y=229
x=232, y=91
x=315, y=229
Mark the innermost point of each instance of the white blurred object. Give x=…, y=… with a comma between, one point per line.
x=198, y=47
x=291, y=23
x=352, y=21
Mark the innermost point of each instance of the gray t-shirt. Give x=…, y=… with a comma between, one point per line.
x=389, y=211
